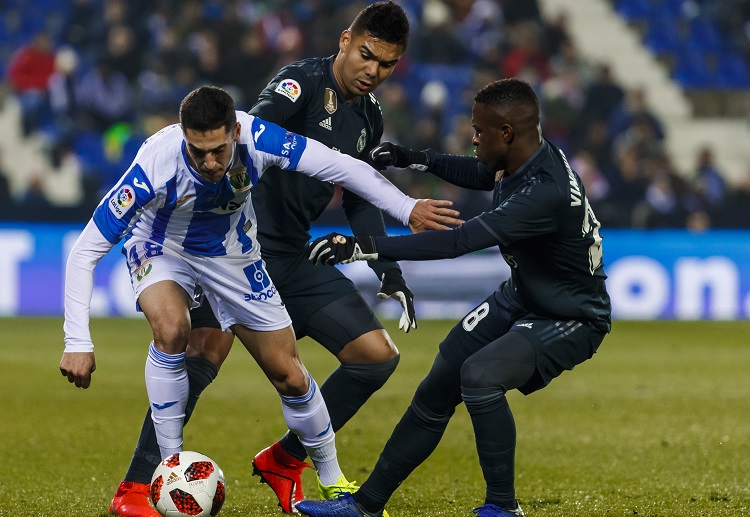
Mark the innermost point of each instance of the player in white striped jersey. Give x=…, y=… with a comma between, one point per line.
x=184, y=211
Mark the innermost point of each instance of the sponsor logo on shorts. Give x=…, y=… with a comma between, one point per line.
x=261, y=296
x=121, y=200
x=143, y=271
x=527, y=325
x=289, y=88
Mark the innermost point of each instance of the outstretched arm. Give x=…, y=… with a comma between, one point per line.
x=339, y=249
x=320, y=162
x=462, y=171
x=78, y=362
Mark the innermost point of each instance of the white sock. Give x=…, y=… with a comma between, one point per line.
x=307, y=417
x=167, y=386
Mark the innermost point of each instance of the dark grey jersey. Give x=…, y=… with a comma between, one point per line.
x=305, y=98
x=546, y=232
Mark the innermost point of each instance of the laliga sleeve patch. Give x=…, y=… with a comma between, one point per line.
x=121, y=201
x=289, y=88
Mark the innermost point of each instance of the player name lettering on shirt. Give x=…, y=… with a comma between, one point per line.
x=575, y=191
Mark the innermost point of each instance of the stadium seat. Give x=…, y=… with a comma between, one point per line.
x=692, y=72
x=704, y=37
x=662, y=36
x=633, y=10
x=732, y=72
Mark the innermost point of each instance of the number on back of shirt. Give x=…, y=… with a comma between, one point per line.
x=590, y=229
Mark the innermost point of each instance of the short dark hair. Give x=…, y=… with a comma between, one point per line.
x=208, y=108
x=386, y=21
x=507, y=93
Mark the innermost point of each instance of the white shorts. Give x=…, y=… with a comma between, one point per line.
x=237, y=286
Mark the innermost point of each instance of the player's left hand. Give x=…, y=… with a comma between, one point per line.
x=78, y=367
x=334, y=249
x=394, y=286
x=432, y=214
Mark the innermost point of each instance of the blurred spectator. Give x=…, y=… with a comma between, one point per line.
x=433, y=40
x=33, y=205
x=641, y=136
x=663, y=204
x=624, y=115
x=527, y=52
x=29, y=71
x=156, y=90
x=6, y=201
x=247, y=54
x=557, y=33
x=81, y=17
x=519, y=11
x=170, y=50
x=122, y=52
x=396, y=111
x=104, y=96
x=62, y=96
x=709, y=183
x=603, y=95
x=481, y=25
x=594, y=182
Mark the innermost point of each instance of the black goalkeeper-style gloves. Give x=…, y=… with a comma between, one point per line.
x=334, y=249
x=387, y=154
x=394, y=286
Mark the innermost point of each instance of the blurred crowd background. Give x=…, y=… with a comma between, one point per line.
x=90, y=79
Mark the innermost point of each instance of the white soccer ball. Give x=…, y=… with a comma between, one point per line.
x=188, y=484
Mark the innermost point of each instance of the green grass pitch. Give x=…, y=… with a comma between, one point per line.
x=656, y=424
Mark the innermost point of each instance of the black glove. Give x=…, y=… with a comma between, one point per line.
x=388, y=154
x=339, y=249
x=394, y=286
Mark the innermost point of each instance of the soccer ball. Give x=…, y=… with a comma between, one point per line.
x=187, y=484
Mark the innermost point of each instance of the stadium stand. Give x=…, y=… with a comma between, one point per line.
x=635, y=91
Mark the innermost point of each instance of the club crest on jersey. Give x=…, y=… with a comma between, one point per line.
x=362, y=140
x=331, y=103
x=121, y=200
x=289, y=88
x=239, y=179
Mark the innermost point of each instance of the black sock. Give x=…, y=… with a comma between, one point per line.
x=345, y=391
x=146, y=457
x=370, y=505
x=495, y=434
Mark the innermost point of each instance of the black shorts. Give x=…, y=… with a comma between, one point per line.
x=322, y=302
x=559, y=344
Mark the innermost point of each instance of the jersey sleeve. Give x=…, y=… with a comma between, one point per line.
x=286, y=94
x=86, y=253
x=462, y=171
x=320, y=162
x=119, y=209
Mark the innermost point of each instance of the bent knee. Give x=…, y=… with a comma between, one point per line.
x=294, y=382
x=171, y=336
x=375, y=346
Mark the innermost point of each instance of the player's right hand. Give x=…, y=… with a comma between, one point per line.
x=78, y=367
x=433, y=214
x=388, y=154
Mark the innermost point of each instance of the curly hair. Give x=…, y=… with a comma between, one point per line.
x=508, y=93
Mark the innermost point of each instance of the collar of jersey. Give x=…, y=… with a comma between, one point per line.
x=523, y=170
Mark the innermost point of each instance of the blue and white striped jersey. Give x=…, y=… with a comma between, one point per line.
x=162, y=199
